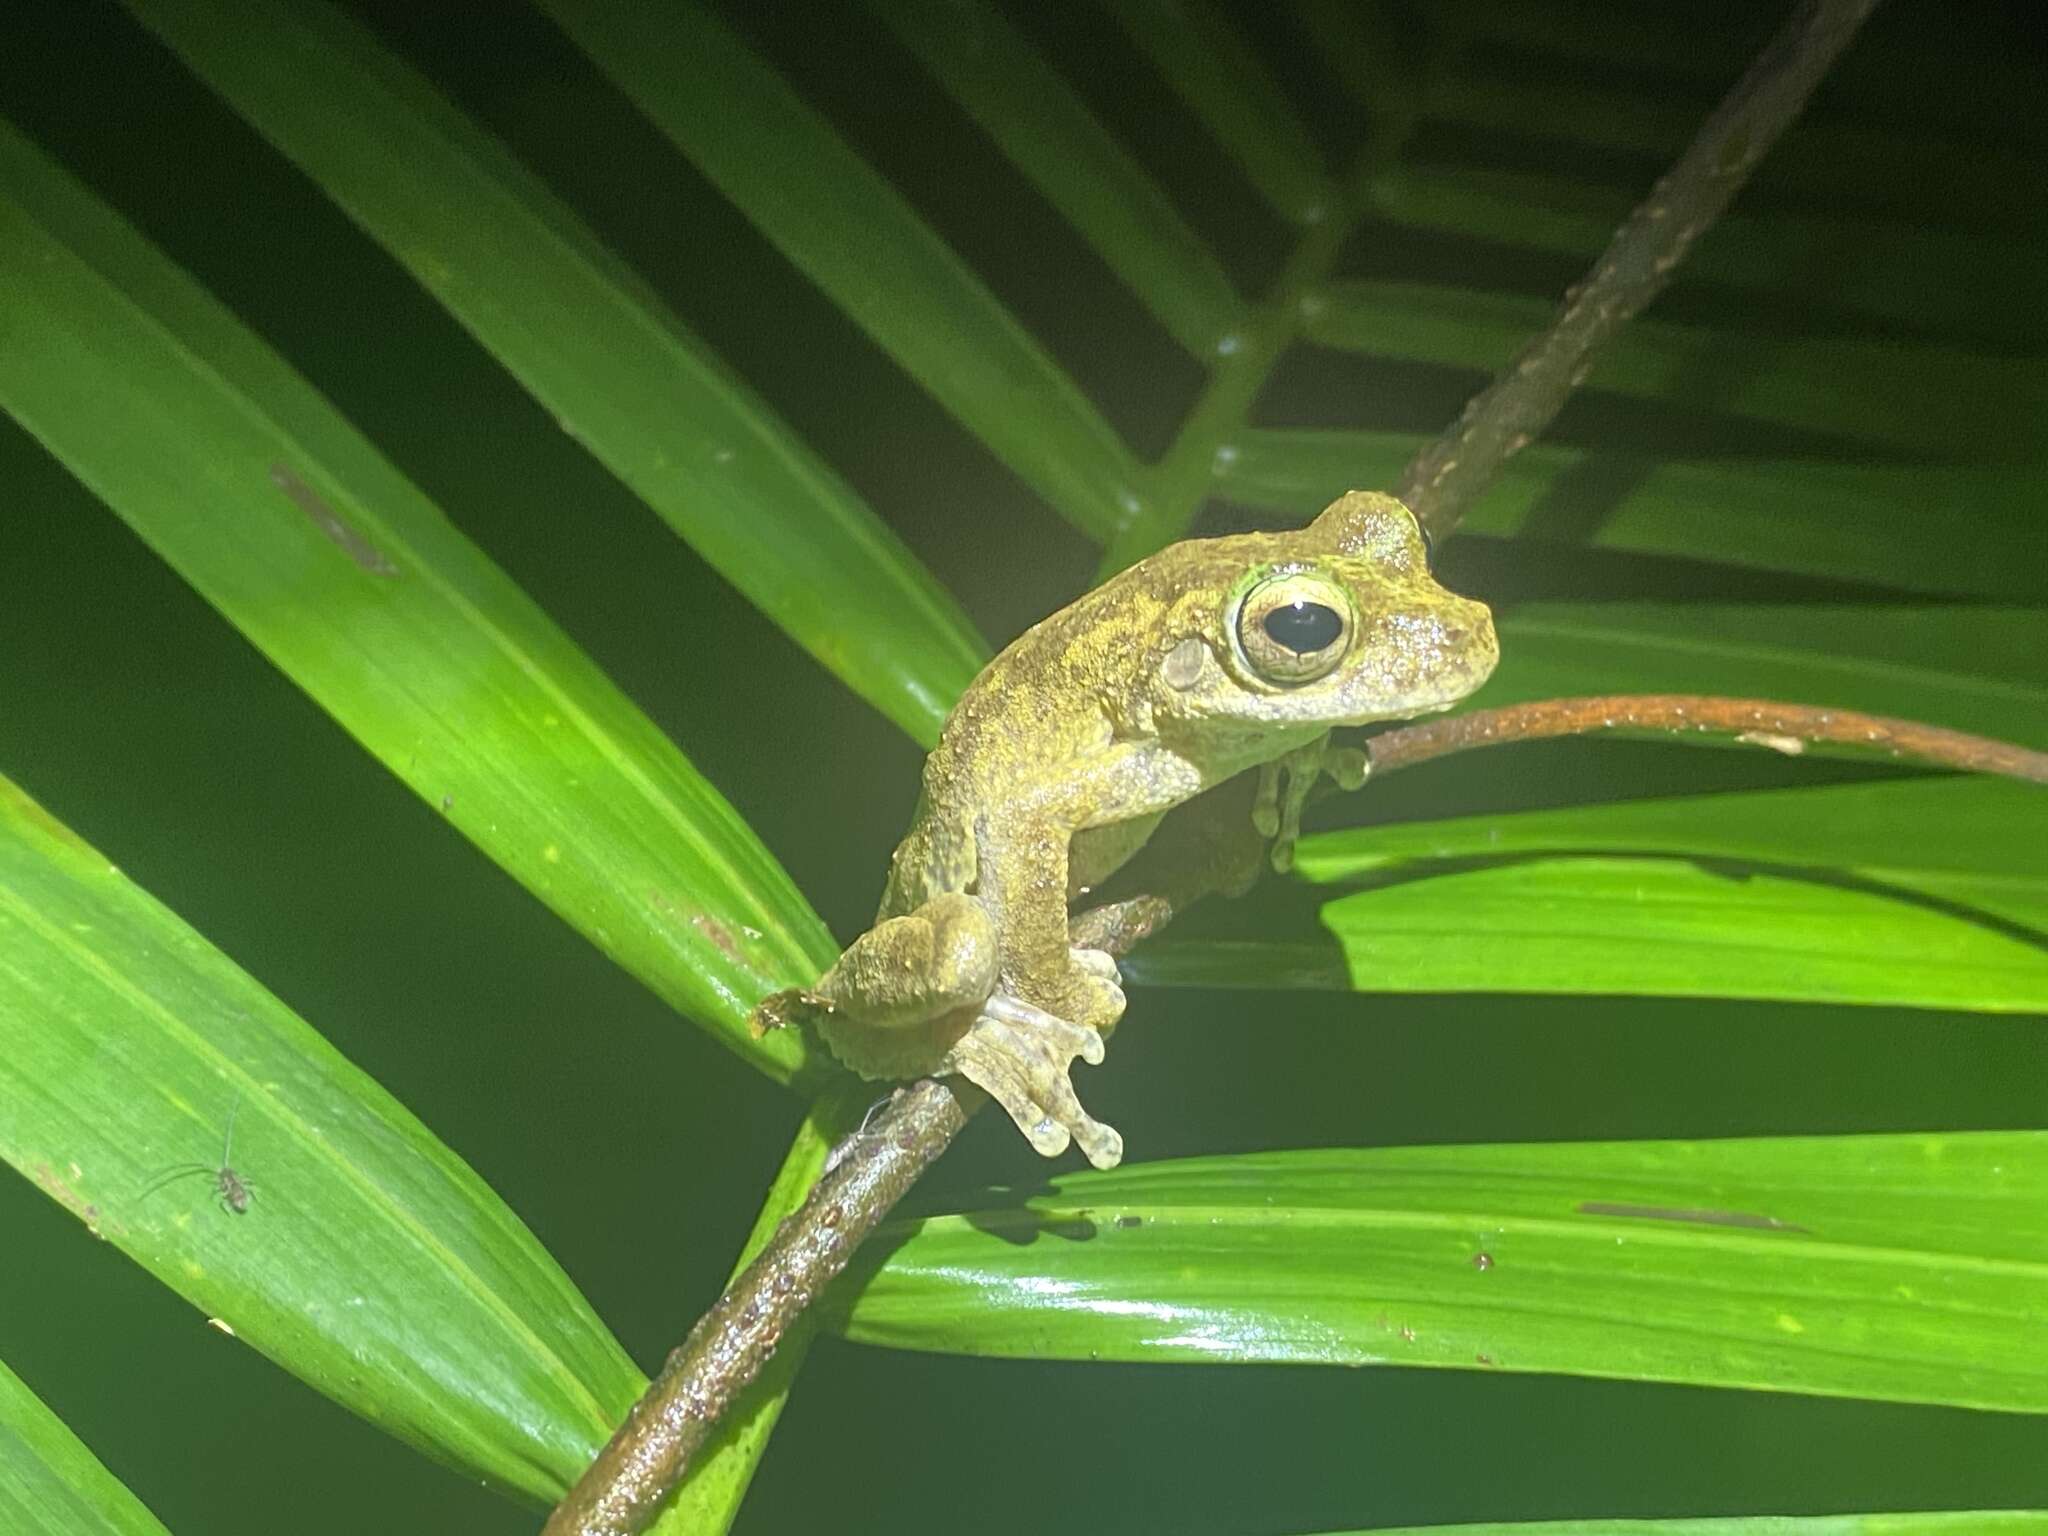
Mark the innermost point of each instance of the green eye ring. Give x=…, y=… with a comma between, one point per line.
x=1294, y=627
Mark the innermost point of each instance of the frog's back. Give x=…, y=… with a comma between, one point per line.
x=1016, y=723
x=1063, y=690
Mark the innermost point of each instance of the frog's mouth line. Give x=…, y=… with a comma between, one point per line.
x=1381, y=727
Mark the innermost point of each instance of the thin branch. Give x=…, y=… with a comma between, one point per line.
x=1761, y=722
x=621, y=1491
x=1442, y=480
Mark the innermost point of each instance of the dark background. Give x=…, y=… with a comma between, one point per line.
x=636, y=1149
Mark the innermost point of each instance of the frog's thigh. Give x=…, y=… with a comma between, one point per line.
x=909, y=970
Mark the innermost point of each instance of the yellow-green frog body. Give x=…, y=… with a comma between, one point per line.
x=1211, y=658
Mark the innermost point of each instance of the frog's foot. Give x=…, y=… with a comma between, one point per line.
x=1276, y=813
x=1097, y=962
x=1022, y=1054
x=1103, y=992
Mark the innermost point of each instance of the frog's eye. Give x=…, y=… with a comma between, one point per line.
x=1294, y=628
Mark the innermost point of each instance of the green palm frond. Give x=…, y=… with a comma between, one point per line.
x=1228, y=262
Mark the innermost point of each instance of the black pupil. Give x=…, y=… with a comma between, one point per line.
x=1304, y=627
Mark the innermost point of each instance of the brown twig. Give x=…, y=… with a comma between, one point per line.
x=1444, y=479
x=1762, y=722
x=622, y=1491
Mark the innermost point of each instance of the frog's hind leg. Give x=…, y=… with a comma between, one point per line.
x=892, y=1003
x=906, y=970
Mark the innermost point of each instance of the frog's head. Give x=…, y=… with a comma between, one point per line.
x=1339, y=623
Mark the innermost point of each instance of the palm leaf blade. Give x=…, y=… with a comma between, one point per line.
x=856, y=237
x=1915, y=892
x=1047, y=131
x=1944, y=529
x=1905, y=1268
x=369, y=1260
x=50, y=1484
x=291, y=525
x=607, y=359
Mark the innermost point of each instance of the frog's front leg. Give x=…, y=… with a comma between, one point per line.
x=1276, y=813
x=1052, y=1003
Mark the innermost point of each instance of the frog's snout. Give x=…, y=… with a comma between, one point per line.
x=1432, y=655
x=1470, y=645
x=1468, y=633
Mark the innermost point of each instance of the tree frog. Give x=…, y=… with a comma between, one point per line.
x=1210, y=659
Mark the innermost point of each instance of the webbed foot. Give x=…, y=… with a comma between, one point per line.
x=1021, y=1054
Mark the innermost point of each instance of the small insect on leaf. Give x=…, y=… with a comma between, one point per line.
x=234, y=1192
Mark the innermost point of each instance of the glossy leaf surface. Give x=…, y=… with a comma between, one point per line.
x=609, y=361
x=1967, y=667
x=1928, y=892
x=50, y=1484
x=312, y=545
x=1873, y=398
x=1905, y=1268
x=344, y=1241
